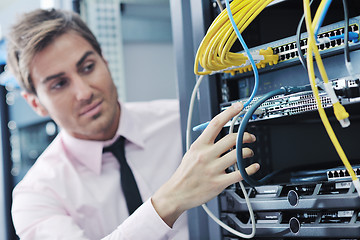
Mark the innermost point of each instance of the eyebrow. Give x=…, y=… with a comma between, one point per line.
x=82, y=59
x=53, y=77
x=78, y=64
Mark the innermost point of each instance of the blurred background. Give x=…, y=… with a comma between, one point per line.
x=136, y=38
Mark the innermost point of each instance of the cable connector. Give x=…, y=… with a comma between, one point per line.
x=340, y=113
x=262, y=58
x=323, y=40
x=357, y=185
x=353, y=37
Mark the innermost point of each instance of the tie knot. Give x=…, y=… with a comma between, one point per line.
x=119, y=144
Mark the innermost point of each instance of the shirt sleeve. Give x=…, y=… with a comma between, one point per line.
x=39, y=216
x=144, y=222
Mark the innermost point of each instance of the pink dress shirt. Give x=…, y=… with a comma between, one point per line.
x=73, y=190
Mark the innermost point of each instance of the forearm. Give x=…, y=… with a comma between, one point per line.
x=202, y=173
x=144, y=222
x=168, y=204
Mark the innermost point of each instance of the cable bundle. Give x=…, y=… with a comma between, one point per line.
x=214, y=55
x=214, y=51
x=339, y=110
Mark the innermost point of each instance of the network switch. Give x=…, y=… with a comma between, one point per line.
x=286, y=105
x=289, y=50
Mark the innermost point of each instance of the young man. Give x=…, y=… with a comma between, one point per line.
x=73, y=191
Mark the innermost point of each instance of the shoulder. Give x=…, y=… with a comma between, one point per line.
x=157, y=107
x=158, y=111
x=46, y=167
x=154, y=117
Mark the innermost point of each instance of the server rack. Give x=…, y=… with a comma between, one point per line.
x=7, y=229
x=317, y=199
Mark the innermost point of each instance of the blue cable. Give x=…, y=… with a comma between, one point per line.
x=322, y=17
x=242, y=127
x=353, y=36
x=256, y=73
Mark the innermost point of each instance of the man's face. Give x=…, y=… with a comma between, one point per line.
x=74, y=87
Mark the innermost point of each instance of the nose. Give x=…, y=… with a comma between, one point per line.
x=82, y=89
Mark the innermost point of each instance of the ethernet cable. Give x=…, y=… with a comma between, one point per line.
x=325, y=6
x=252, y=217
x=346, y=31
x=248, y=115
x=310, y=66
x=347, y=36
x=340, y=113
x=256, y=73
x=214, y=51
x=204, y=206
x=253, y=8
x=346, y=40
x=352, y=36
x=220, y=5
x=339, y=110
x=298, y=45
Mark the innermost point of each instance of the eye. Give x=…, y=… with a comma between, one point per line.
x=88, y=67
x=59, y=83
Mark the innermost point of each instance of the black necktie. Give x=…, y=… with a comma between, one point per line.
x=128, y=183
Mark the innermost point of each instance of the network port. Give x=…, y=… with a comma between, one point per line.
x=289, y=51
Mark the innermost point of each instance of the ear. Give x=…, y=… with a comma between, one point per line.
x=35, y=103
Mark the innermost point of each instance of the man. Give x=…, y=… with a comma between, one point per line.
x=73, y=191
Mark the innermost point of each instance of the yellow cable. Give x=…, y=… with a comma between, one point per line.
x=311, y=73
x=214, y=51
x=318, y=14
x=339, y=110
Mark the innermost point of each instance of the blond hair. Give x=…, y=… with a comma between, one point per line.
x=36, y=30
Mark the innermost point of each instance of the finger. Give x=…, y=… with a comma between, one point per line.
x=247, y=152
x=226, y=161
x=253, y=168
x=225, y=144
x=248, y=138
x=234, y=177
x=229, y=158
x=229, y=141
x=218, y=122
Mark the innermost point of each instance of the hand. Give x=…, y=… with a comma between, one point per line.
x=201, y=175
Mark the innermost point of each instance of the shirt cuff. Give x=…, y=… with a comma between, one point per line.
x=145, y=222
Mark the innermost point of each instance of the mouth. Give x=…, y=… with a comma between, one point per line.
x=91, y=109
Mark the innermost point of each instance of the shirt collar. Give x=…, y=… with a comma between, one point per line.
x=89, y=152
x=130, y=126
